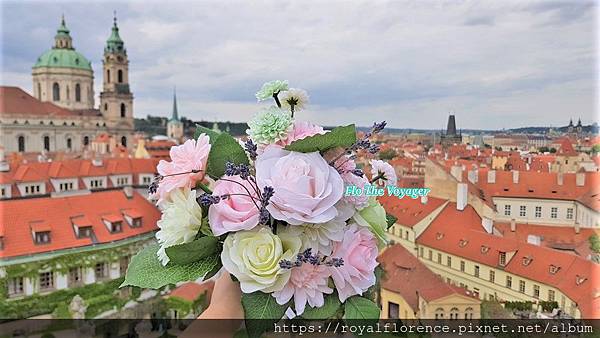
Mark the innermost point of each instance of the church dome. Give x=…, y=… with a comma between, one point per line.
x=63, y=58
x=63, y=55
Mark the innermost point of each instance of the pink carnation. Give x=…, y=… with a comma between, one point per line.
x=238, y=212
x=360, y=200
x=306, y=186
x=185, y=158
x=307, y=284
x=359, y=251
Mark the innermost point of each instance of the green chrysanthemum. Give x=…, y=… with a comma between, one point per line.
x=269, y=126
x=270, y=88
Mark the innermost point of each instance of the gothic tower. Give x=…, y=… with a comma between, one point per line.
x=174, y=126
x=116, y=100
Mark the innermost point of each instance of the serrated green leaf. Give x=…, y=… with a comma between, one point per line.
x=360, y=308
x=391, y=220
x=191, y=252
x=224, y=149
x=146, y=271
x=261, y=311
x=211, y=133
x=328, y=310
x=338, y=137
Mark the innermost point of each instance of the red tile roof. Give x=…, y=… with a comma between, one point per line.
x=406, y=275
x=409, y=211
x=16, y=215
x=191, y=291
x=456, y=233
x=15, y=101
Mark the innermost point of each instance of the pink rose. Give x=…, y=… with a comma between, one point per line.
x=238, y=212
x=306, y=186
x=360, y=200
x=359, y=251
x=188, y=162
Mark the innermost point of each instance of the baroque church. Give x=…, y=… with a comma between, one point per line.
x=61, y=114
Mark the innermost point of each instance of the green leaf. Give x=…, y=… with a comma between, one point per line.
x=391, y=220
x=357, y=307
x=224, y=149
x=211, y=133
x=146, y=271
x=191, y=252
x=214, y=271
x=328, y=310
x=261, y=306
x=338, y=137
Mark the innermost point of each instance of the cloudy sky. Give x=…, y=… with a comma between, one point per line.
x=495, y=64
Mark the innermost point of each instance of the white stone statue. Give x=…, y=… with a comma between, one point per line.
x=77, y=307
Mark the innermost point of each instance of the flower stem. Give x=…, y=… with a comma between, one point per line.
x=379, y=176
x=277, y=100
x=204, y=187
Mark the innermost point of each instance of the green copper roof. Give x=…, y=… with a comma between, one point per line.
x=114, y=44
x=62, y=29
x=63, y=58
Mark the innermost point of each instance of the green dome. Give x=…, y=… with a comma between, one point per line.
x=63, y=58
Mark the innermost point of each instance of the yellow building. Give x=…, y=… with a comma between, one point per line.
x=409, y=290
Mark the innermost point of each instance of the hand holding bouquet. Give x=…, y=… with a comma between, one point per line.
x=273, y=213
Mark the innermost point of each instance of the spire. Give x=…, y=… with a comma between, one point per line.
x=174, y=114
x=570, y=122
x=62, y=39
x=451, y=128
x=579, y=122
x=114, y=44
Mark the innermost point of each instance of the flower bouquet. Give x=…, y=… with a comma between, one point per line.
x=273, y=212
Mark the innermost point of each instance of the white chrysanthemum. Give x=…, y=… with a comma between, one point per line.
x=270, y=88
x=318, y=237
x=180, y=221
x=385, y=172
x=269, y=126
x=298, y=98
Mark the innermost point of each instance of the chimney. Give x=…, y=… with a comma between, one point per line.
x=577, y=227
x=513, y=225
x=559, y=178
x=580, y=179
x=128, y=191
x=456, y=172
x=491, y=176
x=473, y=176
x=515, y=174
x=423, y=199
x=461, y=196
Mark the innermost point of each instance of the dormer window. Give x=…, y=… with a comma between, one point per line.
x=527, y=260
x=502, y=259
x=580, y=279
x=485, y=249
x=113, y=222
x=553, y=269
x=40, y=232
x=462, y=243
x=439, y=236
x=133, y=217
x=82, y=226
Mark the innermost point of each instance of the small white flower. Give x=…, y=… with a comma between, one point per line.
x=318, y=237
x=180, y=221
x=270, y=88
x=385, y=172
x=298, y=98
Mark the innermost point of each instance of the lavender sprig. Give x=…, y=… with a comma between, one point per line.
x=243, y=170
x=206, y=200
x=251, y=148
x=308, y=257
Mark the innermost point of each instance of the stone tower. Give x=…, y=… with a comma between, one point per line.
x=175, y=126
x=64, y=76
x=116, y=99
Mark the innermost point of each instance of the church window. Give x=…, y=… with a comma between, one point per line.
x=55, y=92
x=78, y=93
x=69, y=144
x=68, y=96
x=108, y=75
x=120, y=76
x=39, y=91
x=124, y=141
x=106, y=106
x=86, y=140
x=123, y=109
x=47, y=143
x=21, y=142
x=76, y=61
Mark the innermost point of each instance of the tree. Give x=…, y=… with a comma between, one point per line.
x=387, y=154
